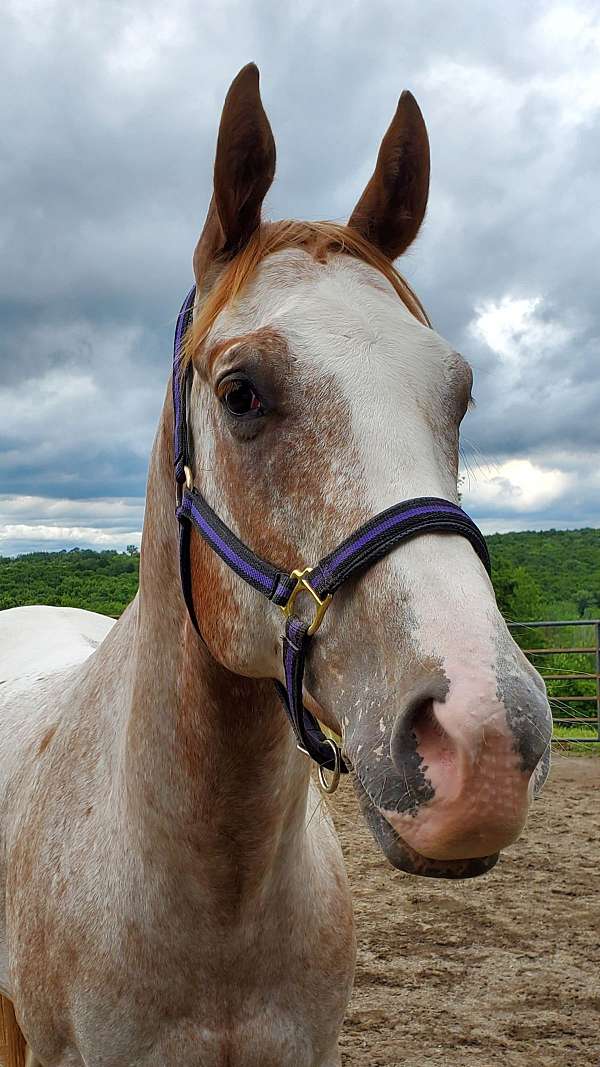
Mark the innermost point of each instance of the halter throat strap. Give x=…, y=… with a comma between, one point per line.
x=375, y=539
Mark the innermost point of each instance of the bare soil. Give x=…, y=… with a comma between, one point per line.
x=504, y=969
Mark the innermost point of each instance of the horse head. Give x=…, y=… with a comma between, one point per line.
x=320, y=395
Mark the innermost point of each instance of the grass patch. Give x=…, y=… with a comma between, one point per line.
x=564, y=734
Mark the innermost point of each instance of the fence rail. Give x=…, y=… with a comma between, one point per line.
x=587, y=650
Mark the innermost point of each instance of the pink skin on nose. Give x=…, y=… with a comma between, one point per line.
x=481, y=794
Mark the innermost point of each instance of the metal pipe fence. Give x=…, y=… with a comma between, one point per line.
x=592, y=650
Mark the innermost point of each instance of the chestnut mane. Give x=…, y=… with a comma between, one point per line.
x=320, y=239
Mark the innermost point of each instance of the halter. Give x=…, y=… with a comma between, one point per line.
x=369, y=543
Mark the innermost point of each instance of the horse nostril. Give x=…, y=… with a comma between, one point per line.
x=419, y=740
x=433, y=743
x=419, y=733
x=416, y=716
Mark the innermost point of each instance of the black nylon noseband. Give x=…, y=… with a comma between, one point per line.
x=358, y=552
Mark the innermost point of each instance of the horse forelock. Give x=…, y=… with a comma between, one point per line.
x=320, y=239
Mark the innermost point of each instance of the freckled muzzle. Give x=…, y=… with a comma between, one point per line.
x=405, y=858
x=450, y=785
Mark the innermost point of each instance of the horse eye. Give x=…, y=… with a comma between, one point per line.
x=240, y=399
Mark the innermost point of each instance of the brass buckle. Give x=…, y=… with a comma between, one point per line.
x=189, y=484
x=303, y=586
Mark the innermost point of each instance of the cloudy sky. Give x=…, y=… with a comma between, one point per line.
x=109, y=112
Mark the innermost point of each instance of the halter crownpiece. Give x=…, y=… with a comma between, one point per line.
x=375, y=539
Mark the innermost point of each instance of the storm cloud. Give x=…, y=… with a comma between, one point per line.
x=109, y=115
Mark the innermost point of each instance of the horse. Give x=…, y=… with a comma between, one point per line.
x=174, y=890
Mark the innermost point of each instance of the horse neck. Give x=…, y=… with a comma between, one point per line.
x=210, y=755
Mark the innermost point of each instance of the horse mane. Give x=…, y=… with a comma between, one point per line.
x=320, y=239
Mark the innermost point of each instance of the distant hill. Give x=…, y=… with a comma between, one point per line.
x=554, y=574
x=562, y=568
x=98, y=581
x=551, y=575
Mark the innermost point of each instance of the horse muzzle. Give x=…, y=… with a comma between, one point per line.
x=448, y=783
x=404, y=858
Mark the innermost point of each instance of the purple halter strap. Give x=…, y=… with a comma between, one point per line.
x=369, y=543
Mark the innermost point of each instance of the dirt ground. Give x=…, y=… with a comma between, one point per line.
x=503, y=969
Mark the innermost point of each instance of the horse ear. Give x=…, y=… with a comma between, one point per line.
x=390, y=211
x=244, y=171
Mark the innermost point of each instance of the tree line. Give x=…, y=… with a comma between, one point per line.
x=551, y=575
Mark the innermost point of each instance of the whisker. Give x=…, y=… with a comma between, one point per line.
x=317, y=808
